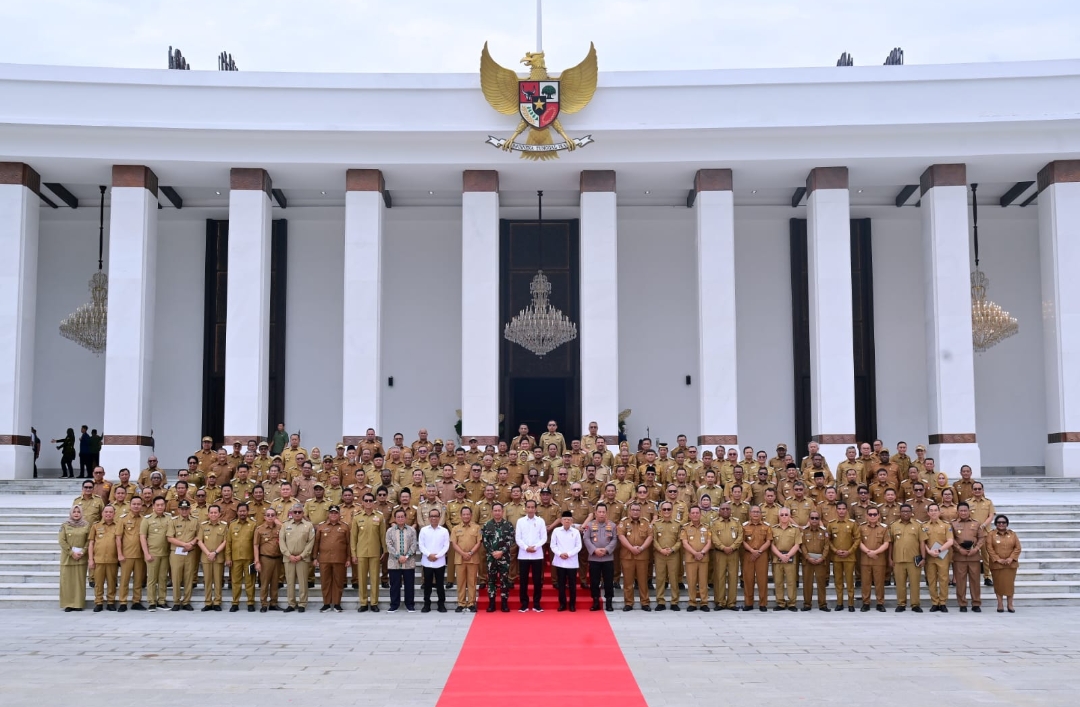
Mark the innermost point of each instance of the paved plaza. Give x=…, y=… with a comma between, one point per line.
x=1028, y=658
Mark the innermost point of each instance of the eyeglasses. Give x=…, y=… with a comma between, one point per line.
x=871, y=515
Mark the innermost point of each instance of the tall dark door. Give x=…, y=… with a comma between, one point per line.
x=862, y=315
x=215, y=324
x=536, y=389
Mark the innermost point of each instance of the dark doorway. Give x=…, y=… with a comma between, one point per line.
x=862, y=313
x=532, y=389
x=214, y=326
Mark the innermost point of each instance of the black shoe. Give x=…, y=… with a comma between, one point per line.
x=682, y=586
x=901, y=609
x=217, y=607
x=310, y=585
x=748, y=607
x=595, y=606
x=573, y=608
x=625, y=608
x=839, y=607
x=121, y=609
x=792, y=608
x=491, y=607
x=290, y=609
x=778, y=608
x=977, y=609
x=110, y=607
x=234, y=608
x=189, y=607
x=988, y=582
x=98, y=608
x=262, y=610
x=426, y=609
x=208, y=608
x=943, y=609
x=917, y=609
x=338, y=609
x=881, y=608
x=375, y=608
x=562, y=608
x=933, y=608
x=301, y=609
x=459, y=609
x=325, y=608
x=472, y=609
x=963, y=609
x=865, y=607
x=441, y=608
x=691, y=609
x=384, y=585
x=68, y=610
x=646, y=607
x=164, y=607
x=275, y=607
x=251, y=608
x=661, y=607
x=362, y=608
x=176, y=607
x=824, y=607
x=608, y=606
x=851, y=608
x=506, y=605
x=449, y=585
x=805, y=608
x=137, y=606
x=676, y=607
x=763, y=608
x=704, y=608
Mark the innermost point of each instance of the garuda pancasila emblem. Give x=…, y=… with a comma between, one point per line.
x=538, y=99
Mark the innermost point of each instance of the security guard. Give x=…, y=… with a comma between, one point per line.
x=212, y=539
x=183, y=535
x=240, y=556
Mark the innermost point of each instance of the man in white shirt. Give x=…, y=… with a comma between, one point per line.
x=434, y=542
x=530, y=534
x=565, y=546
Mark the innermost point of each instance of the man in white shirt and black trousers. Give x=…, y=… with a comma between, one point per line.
x=530, y=534
x=565, y=546
x=434, y=542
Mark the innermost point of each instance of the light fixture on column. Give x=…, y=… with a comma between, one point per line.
x=990, y=324
x=87, y=325
x=540, y=327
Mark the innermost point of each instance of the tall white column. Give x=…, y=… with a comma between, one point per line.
x=480, y=306
x=599, y=304
x=1059, y=253
x=129, y=352
x=247, y=336
x=19, y=209
x=832, y=361
x=950, y=359
x=361, y=332
x=717, y=379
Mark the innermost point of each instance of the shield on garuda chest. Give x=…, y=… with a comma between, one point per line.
x=538, y=102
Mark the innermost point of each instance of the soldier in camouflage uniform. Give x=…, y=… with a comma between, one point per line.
x=497, y=536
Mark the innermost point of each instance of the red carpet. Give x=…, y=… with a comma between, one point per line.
x=549, y=659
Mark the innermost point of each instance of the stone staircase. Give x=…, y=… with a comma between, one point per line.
x=1049, y=573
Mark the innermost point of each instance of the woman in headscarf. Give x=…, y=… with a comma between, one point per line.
x=1004, y=549
x=67, y=454
x=74, y=536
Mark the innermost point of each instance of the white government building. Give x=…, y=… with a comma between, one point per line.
x=750, y=256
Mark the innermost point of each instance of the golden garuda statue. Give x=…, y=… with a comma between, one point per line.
x=538, y=99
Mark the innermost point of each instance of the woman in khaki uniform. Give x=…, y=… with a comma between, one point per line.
x=1003, y=547
x=74, y=535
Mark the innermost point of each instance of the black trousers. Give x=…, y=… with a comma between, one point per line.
x=85, y=464
x=536, y=569
x=434, y=576
x=397, y=579
x=565, y=577
x=602, y=572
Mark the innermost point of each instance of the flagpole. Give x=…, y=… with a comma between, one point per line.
x=539, y=27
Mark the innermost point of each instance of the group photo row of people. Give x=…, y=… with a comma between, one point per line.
x=651, y=522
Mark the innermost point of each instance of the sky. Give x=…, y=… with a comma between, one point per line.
x=423, y=36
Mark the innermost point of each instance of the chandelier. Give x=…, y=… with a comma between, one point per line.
x=87, y=325
x=540, y=327
x=990, y=324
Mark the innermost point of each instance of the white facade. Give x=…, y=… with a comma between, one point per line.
x=887, y=125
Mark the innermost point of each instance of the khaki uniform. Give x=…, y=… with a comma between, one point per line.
x=697, y=571
x=367, y=538
x=183, y=567
x=815, y=545
x=937, y=568
x=873, y=568
x=666, y=535
x=1003, y=546
x=757, y=536
x=844, y=536
x=969, y=535
x=213, y=535
x=983, y=510
x=784, y=575
x=467, y=538
x=240, y=556
x=635, y=568
x=91, y=508
x=154, y=529
x=296, y=538
x=332, y=551
x=133, y=566
x=726, y=534
x=906, y=539
x=106, y=560
x=268, y=543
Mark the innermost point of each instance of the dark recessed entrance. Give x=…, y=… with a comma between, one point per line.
x=533, y=390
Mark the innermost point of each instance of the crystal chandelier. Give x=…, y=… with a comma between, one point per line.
x=990, y=324
x=87, y=325
x=540, y=327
